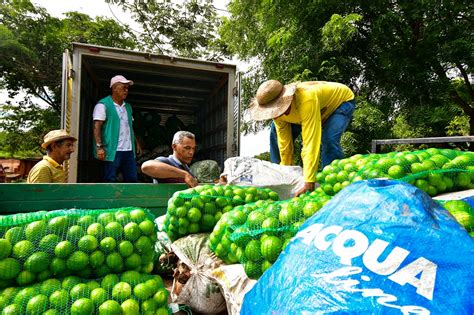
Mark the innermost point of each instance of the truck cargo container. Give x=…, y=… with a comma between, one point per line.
x=170, y=93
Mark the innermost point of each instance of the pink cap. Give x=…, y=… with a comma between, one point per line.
x=120, y=79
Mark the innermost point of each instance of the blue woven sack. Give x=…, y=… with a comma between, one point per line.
x=378, y=247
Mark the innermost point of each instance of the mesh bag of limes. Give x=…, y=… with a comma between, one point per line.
x=127, y=293
x=462, y=212
x=255, y=234
x=433, y=170
x=85, y=243
x=198, y=209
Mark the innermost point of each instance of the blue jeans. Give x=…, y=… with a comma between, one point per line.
x=333, y=129
x=124, y=161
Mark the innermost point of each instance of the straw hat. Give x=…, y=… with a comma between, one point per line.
x=272, y=100
x=54, y=136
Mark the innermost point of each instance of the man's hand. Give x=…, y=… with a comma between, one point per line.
x=222, y=180
x=101, y=154
x=307, y=187
x=190, y=180
x=138, y=148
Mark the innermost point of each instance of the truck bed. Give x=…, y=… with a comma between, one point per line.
x=17, y=198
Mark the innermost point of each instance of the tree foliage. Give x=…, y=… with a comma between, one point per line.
x=186, y=28
x=400, y=56
x=25, y=126
x=31, y=46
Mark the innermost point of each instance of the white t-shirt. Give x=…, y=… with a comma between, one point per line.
x=124, y=140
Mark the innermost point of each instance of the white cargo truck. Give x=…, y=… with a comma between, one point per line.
x=170, y=93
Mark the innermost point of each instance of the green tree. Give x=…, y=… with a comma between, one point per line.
x=400, y=56
x=187, y=28
x=31, y=46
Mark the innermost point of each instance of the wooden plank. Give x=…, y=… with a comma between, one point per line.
x=15, y=198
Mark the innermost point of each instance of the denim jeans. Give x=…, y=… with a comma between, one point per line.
x=125, y=162
x=333, y=129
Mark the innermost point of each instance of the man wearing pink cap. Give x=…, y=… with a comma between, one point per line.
x=114, y=140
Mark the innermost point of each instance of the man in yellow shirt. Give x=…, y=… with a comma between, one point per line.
x=323, y=109
x=59, y=146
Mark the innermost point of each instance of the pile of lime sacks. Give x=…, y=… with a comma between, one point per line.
x=79, y=262
x=254, y=234
x=127, y=293
x=462, y=212
x=198, y=209
x=433, y=170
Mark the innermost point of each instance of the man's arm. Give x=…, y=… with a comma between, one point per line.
x=159, y=170
x=285, y=141
x=311, y=132
x=98, y=139
x=138, y=147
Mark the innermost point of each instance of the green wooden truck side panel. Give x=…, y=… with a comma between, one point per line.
x=16, y=198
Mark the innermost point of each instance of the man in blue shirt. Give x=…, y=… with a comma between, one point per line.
x=174, y=168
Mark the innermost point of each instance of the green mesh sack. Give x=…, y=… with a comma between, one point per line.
x=127, y=293
x=86, y=243
x=430, y=167
x=255, y=234
x=206, y=171
x=462, y=212
x=198, y=209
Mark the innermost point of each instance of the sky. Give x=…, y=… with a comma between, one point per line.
x=250, y=145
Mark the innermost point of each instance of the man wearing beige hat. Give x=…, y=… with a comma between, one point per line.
x=114, y=140
x=59, y=146
x=322, y=109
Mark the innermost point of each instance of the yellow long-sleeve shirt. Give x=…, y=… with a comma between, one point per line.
x=312, y=105
x=47, y=171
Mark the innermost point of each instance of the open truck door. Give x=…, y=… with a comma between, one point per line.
x=236, y=94
x=66, y=105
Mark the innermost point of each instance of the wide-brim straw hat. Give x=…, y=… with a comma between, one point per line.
x=272, y=100
x=54, y=136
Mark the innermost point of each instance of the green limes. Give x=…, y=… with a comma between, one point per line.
x=23, y=249
x=5, y=248
x=110, y=307
x=82, y=306
x=130, y=307
x=132, y=231
x=77, y=261
x=9, y=268
x=63, y=249
x=59, y=299
x=37, y=304
x=35, y=230
x=37, y=262
x=87, y=243
x=49, y=242
x=114, y=229
x=125, y=248
x=98, y=296
x=137, y=215
x=107, y=245
x=121, y=291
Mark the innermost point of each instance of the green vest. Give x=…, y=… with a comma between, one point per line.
x=111, y=129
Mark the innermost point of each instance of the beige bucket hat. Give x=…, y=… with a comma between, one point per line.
x=56, y=135
x=272, y=100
